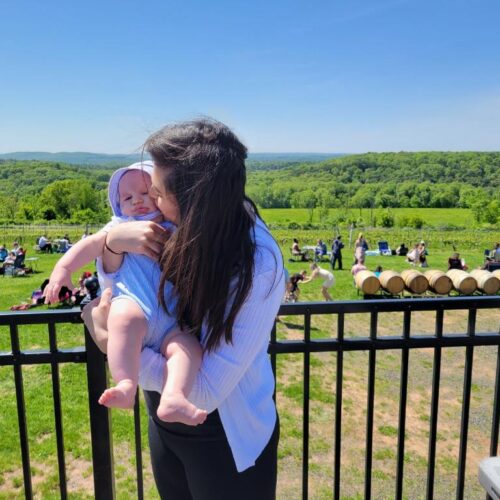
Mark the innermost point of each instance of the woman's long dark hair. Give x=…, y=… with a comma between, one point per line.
x=210, y=257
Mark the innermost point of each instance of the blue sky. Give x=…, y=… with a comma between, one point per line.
x=322, y=76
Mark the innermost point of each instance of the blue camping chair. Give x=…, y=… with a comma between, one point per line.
x=384, y=248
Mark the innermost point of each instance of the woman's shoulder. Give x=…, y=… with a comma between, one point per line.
x=267, y=252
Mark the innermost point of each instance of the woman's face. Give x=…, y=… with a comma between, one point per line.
x=166, y=202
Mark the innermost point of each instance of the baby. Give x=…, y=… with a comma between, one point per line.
x=135, y=319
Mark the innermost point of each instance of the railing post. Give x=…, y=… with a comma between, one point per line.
x=100, y=423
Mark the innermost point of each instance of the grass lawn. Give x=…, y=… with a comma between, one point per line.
x=37, y=383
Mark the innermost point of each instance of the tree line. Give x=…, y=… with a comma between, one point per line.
x=38, y=191
x=386, y=180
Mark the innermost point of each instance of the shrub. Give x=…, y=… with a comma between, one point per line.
x=403, y=221
x=387, y=220
x=416, y=222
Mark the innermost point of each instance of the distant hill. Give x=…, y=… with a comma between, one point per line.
x=52, y=189
x=90, y=159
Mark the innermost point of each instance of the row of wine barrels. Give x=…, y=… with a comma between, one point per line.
x=437, y=281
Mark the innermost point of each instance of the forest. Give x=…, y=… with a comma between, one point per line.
x=40, y=191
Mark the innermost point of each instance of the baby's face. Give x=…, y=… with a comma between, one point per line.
x=134, y=194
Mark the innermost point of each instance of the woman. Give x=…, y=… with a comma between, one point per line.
x=413, y=255
x=422, y=254
x=297, y=252
x=326, y=276
x=455, y=262
x=227, y=272
x=360, y=248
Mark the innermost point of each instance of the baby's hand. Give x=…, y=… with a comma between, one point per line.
x=58, y=279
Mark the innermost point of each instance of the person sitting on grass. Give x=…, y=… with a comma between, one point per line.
x=44, y=244
x=413, y=255
x=327, y=276
x=402, y=250
x=297, y=252
x=494, y=255
x=455, y=262
x=10, y=259
x=320, y=250
x=378, y=271
x=422, y=254
x=134, y=316
x=3, y=253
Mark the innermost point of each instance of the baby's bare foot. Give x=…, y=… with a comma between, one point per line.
x=120, y=396
x=176, y=408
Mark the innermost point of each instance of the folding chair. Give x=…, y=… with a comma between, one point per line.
x=384, y=248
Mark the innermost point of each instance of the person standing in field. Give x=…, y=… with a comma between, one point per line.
x=337, y=247
x=360, y=248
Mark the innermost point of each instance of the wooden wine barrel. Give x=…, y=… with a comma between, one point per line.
x=392, y=282
x=367, y=282
x=415, y=281
x=486, y=282
x=438, y=281
x=462, y=281
x=496, y=273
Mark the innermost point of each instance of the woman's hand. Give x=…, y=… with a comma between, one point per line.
x=143, y=237
x=95, y=316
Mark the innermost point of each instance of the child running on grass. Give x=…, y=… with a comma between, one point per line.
x=135, y=316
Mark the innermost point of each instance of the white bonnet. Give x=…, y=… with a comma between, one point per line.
x=114, y=182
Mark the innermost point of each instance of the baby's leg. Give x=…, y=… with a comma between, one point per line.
x=183, y=353
x=126, y=327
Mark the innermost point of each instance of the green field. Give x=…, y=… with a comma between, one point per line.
x=432, y=217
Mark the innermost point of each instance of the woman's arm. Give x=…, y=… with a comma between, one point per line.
x=311, y=277
x=222, y=369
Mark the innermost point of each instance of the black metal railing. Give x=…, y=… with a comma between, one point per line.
x=101, y=435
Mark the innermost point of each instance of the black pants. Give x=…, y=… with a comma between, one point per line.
x=337, y=258
x=196, y=463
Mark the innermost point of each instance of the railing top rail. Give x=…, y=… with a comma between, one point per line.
x=392, y=305
x=336, y=307
x=36, y=317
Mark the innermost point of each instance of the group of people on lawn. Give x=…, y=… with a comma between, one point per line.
x=417, y=256
x=11, y=258
x=60, y=245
